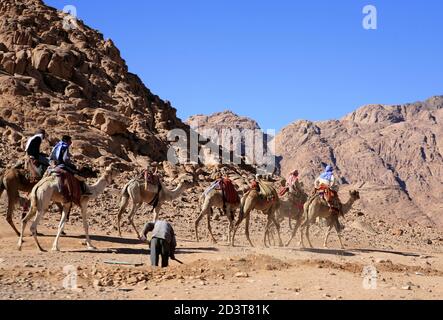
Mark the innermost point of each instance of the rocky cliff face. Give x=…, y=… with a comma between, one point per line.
x=225, y=127
x=73, y=81
x=394, y=154
x=222, y=120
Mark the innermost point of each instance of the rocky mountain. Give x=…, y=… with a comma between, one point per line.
x=221, y=120
x=63, y=76
x=393, y=154
x=221, y=127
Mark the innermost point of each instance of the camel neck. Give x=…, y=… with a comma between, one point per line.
x=99, y=187
x=174, y=194
x=348, y=205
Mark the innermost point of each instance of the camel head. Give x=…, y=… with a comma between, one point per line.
x=355, y=195
x=111, y=173
x=187, y=179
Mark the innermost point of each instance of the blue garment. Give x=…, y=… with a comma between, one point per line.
x=327, y=175
x=59, y=151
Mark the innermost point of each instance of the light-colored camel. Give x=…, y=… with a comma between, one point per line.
x=14, y=181
x=250, y=201
x=291, y=207
x=214, y=199
x=47, y=191
x=318, y=209
x=138, y=193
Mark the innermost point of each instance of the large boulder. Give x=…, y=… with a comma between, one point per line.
x=41, y=57
x=109, y=122
x=62, y=64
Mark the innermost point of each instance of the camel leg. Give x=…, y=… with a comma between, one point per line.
x=34, y=225
x=294, y=231
x=205, y=210
x=25, y=220
x=337, y=228
x=248, y=217
x=121, y=210
x=11, y=207
x=271, y=217
x=231, y=225
x=302, y=230
x=308, y=224
x=237, y=225
x=325, y=245
x=134, y=210
x=86, y=227
x=61, y=226
x=196, y=223
x=210, y=228
x=268, y=225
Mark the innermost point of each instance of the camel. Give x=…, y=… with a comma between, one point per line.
x=47, y=191
x=291, y=207
x=14, y=180
x=318, y=209
x=250, y=201
x=138, y=193
x=214, y=199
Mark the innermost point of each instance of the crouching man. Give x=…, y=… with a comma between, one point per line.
x=163, y=242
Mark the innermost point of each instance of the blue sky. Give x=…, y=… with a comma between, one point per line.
x=275, y=61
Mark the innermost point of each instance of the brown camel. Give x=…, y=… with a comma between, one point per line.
x=253, y=200
x=13, y=181
x=291, y=207
x=214, y=199
x=138, y=193
x=316, y=208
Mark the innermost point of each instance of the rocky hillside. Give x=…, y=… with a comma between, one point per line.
x=222, y=120
x=394, y=154
x=212, y=127
x=73, y=81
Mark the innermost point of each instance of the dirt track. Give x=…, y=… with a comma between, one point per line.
x=214, y=271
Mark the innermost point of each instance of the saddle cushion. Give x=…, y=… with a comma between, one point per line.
x=69, y=186
x=229, y=192
x=329, y=197
x=267, y=191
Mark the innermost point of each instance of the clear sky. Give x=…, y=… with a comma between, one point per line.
x=275, y=61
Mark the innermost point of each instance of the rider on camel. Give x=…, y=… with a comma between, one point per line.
x=38, y=159
x=326, y=186
x=326, y=179
x=61, y=156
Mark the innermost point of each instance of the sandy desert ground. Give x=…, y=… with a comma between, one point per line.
x=405, y=269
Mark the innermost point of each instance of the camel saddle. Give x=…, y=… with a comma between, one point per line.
x=68, y=185
x=331, y=198
x=283, y=191
x=153, y=179
x=230, y=194
x=266, y=190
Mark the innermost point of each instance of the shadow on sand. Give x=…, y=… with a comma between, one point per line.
x=400, y=253
x=107, y=239
x=335, y=252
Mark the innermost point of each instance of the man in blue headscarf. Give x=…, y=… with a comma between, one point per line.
x=326, y=179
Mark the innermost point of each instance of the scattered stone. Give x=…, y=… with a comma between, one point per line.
x=241, y=275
